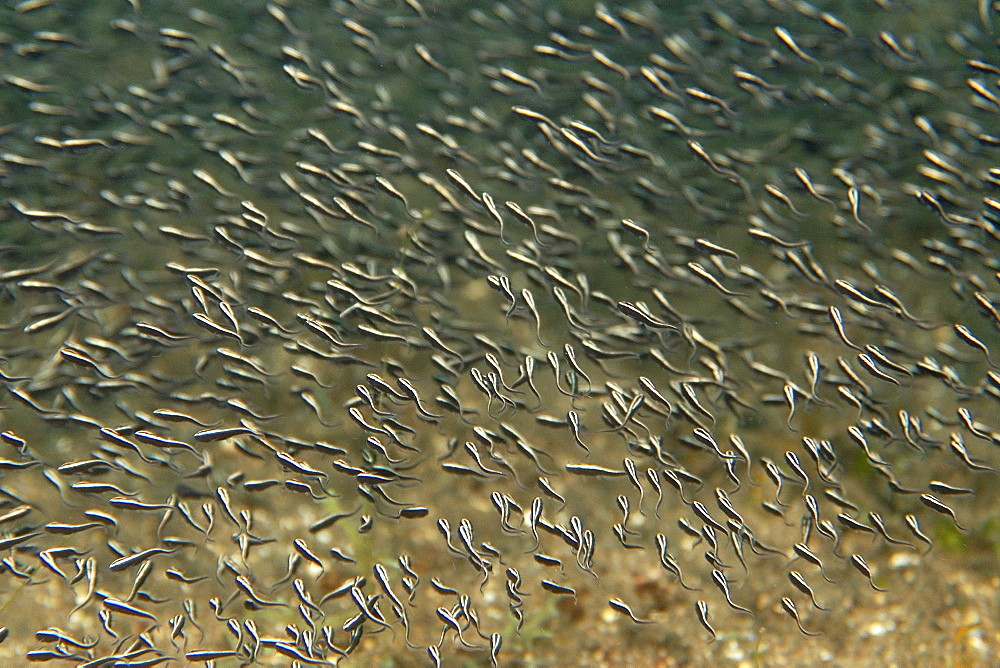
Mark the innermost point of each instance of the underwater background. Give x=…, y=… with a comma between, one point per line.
x=514, y=333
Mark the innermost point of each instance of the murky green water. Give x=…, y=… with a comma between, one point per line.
x=545, y=333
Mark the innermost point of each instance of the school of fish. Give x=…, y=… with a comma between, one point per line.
x=341, y=330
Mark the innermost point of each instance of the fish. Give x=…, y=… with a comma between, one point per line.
x=622, y=607
x=719, y=578
x=559, y=590
x=914, y=526
x=127, y=562
x=789, y=41
x=115, y=605
x=936, y=505
x=800, y=583
x=876, y=519
x=702, y=273
x=195, y=253
x=968, y=337
x=859, y=563
x=701, y=608
x=805, y=553
x=789, y=606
